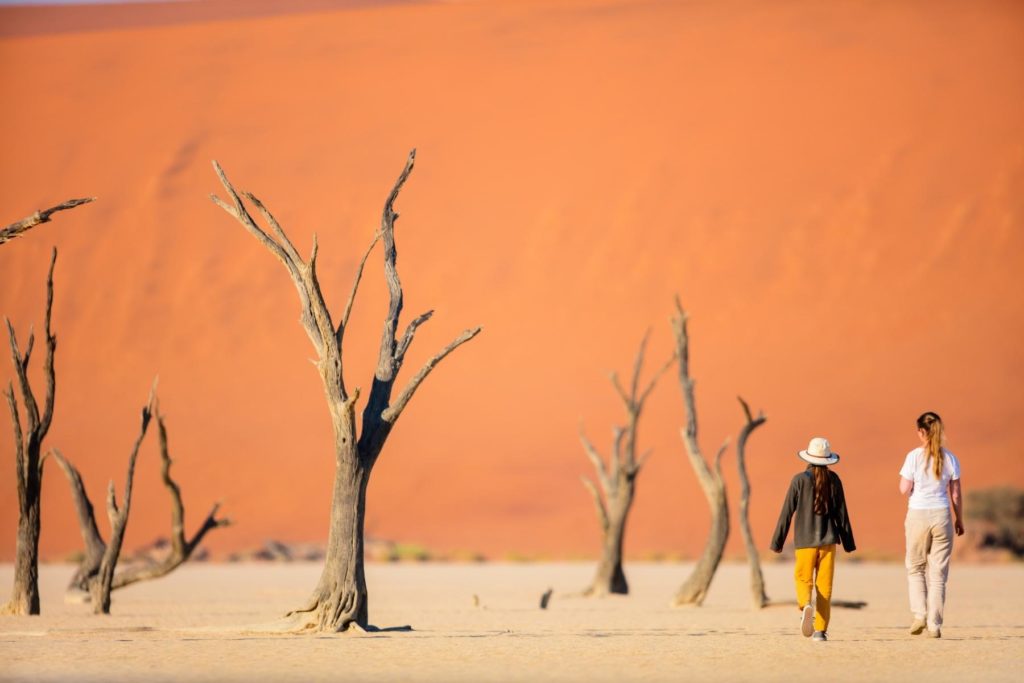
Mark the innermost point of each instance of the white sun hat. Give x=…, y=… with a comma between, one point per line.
x=819, y=452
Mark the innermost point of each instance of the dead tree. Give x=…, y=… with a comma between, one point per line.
x=695, y=589
x=28, y=444
x=28, y=463
x=617, y=480
x=95, y=547
x=339, y=600
x=757, y=593
x=25, y=224
x=101, y=583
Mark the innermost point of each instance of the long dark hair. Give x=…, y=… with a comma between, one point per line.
x=822, y=489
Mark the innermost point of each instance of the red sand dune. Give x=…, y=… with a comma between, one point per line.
x=836, y=191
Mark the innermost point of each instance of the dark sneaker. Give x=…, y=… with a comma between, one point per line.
x=820, y=636
x=918, y=626
x=807, y=621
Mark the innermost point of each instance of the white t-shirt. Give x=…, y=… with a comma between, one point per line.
x=929, y=493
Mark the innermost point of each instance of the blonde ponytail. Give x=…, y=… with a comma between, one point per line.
x=931, y=424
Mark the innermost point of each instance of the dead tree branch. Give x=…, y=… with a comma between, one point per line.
x=95, y=546
x=25, y=224
x=100, y=584
x=182, y=548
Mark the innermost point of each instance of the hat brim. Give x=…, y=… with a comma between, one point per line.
x=832, y=458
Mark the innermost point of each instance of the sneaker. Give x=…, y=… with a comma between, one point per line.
x=820, y=636
x=807, y=621
x=937, y=633
x=918, y=626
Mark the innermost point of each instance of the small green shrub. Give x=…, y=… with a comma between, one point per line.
x=1000, y=512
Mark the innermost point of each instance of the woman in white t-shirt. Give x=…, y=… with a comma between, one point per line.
x=931, y=475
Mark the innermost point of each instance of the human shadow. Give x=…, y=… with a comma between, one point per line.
x=841, y=604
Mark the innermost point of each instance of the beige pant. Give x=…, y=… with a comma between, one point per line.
x=929, y=544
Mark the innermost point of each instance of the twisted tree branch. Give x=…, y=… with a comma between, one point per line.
x=602, y=511
x=355, y=288
x=19, y=446
x=28, y=399
x=407, y=338
x=391, y=413
x=91, y=537
x=181, y=548
x=101, y=584
x=25, y=224
x=596, y=460
x=314, y=316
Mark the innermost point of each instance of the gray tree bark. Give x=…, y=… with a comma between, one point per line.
x=339, y=600
x=757, y=593
x=15, y=229
x=101, y=583
x=95, y=547
x=695, y=588
x=28, y=463
x=616, y=481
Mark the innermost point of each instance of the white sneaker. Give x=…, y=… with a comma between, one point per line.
x=820, y=636
x=807, y=621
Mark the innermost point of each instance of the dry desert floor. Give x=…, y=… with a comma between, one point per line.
x=194, y=626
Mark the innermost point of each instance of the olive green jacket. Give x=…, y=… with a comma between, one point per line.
x=812, y=530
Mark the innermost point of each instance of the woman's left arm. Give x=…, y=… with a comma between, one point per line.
x=842, y=517
x=958, y=506
x=906, y=486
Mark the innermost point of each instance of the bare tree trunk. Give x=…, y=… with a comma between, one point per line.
x=695, y=589
x=339, y=600
x=28, y=463
x=25, y=596
x=757, y=594
x=100, y=584
x=15, y=229
x=95, y=547
x=609, y=578
x=340, y=597
x=617, y=481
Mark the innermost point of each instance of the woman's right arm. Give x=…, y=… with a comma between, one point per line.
x=907, y=473
x=785, y=517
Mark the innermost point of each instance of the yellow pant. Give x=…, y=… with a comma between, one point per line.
x=815, y=566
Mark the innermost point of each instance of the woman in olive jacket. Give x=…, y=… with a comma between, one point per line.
x=817, y=500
